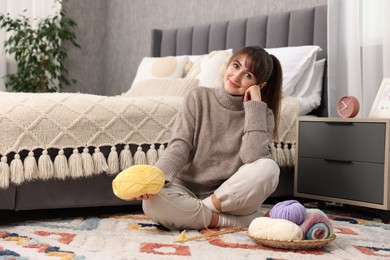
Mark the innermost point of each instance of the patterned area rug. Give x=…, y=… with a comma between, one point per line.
x=134, y=236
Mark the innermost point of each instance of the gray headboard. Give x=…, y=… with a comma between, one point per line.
x=298, y=27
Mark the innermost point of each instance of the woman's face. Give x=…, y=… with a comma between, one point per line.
x=237, y=77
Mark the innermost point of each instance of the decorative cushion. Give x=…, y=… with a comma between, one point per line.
x=162, y=87
x=209, y=69
x=168, y=67
x=297, y=65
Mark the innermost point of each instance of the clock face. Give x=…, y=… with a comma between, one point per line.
x=347, y=106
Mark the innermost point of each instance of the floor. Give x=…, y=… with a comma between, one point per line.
x=9, y=216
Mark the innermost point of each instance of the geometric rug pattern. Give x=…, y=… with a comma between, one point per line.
x=135, y=236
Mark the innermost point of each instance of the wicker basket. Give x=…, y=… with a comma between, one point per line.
x=295, y=244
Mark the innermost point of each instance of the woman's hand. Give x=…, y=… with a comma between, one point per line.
x=252, y=93
x=145, y=197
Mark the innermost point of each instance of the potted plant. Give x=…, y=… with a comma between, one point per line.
x=38, y=52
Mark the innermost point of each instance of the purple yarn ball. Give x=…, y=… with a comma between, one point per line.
x=290, y=210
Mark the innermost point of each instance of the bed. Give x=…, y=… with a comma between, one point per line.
x=62, y=150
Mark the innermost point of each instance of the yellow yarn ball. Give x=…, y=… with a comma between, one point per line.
x=138, y=180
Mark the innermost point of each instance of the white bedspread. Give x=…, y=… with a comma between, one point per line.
x=72, y=120
x=62, y=120
x=36, y=122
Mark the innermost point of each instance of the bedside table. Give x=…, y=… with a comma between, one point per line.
x=344, y=161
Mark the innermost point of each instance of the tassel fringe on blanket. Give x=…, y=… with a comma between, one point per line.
x=77, y=165
x=85, y=165
x=284, y=154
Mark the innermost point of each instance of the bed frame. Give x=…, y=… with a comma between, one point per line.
x=299, y=27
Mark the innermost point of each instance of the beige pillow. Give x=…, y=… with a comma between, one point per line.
x=169, y=67
x=162, y=87
x=210, y=68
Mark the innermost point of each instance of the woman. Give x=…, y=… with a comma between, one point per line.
x=218, y=165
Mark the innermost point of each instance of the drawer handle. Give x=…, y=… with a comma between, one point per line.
x=338, y=161
x=339, y=123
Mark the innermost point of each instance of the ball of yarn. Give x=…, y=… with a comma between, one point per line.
x=274, y=229
x=138, y=180
x=290, y=210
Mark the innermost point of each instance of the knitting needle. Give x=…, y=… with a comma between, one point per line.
x=212, y=234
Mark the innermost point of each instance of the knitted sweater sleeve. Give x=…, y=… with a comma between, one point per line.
x=176, y=156
x=258, y=131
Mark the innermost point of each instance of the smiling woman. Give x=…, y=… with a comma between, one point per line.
x=198, y=194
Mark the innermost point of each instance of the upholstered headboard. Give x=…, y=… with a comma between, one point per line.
x=298, y=27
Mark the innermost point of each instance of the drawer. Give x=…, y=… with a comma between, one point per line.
x=346, y=141
x=358, y=181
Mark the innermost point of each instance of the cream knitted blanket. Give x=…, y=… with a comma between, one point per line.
x=284, y=147
x=61, y=120
x=36, y=122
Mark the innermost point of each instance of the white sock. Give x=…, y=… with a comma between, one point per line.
x=225, y=220
x=209, y=204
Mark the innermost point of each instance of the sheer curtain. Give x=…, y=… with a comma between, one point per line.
x=34, y=9
x=358, y=50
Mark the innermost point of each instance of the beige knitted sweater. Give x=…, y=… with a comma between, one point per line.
x=214, y=134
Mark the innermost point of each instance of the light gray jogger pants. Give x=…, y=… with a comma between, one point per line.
x=175, y=207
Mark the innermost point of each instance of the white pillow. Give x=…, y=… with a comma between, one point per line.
x=210, y=68
x=162, y=87
x=169, y=67
x=304, y=82
x=297, y=63
x=311, y=99
x=193, y=58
